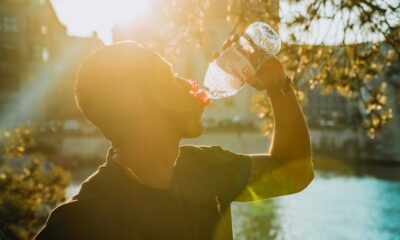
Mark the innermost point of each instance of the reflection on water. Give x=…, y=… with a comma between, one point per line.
x=333, y=207
x=330, y=208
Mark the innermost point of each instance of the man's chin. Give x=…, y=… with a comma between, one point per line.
x=194, y=131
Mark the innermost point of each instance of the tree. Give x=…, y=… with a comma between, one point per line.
x=352, y=59
x=30, y=186
x=367, y=42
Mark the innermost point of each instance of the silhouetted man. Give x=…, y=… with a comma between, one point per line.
x=152, y=188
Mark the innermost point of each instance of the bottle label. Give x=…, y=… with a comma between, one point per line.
x=234, y=62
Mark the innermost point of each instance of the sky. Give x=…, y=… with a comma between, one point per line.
x=83, y=17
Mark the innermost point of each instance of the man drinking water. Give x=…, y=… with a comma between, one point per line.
x=150, y=187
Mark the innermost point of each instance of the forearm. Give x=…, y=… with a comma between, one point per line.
x=291, y=139
x=288, y=167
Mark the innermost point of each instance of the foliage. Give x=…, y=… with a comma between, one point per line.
x=352, y=21
x=29, y=185
x=355, y=70
x=353, y=59
x=189, y=24
x=367, y=42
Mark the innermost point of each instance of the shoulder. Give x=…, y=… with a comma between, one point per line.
x=203, y=151
x=207, y=171
x=197, y=157
x=75, y=219
x=65, y=212
x=62, y=221
x=209, y=155
x=192, y=149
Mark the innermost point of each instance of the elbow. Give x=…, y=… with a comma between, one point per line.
x=303, y=176
x=305, y=180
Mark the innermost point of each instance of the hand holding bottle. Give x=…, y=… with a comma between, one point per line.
x=270, y=75
x=241, y=61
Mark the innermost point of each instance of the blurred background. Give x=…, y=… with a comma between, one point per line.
x=342, y=55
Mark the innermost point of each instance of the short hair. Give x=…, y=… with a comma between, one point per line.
x=112, y=82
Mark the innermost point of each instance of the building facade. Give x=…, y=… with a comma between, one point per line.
x=38, y=63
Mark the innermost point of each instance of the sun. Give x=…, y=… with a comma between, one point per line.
x=83, y=17
x=127, y=10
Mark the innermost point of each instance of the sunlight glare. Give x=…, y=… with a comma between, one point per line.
x=85, y=17
x=128, y=10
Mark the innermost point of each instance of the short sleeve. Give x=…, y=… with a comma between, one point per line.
x=60, y=224
x=73, y=220
x=205, y=172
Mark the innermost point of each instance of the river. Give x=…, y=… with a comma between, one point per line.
x=331, y=208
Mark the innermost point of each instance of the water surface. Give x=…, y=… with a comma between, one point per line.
x=331, y=208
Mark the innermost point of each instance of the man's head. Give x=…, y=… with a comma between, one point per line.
x=125, y=88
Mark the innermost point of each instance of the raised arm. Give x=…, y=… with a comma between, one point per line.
x=287, y=168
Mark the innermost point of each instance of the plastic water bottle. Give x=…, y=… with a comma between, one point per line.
x=227, y=74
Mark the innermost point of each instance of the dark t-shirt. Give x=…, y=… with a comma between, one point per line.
x=111, y=205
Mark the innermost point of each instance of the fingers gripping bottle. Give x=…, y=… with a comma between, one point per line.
x=227, y=74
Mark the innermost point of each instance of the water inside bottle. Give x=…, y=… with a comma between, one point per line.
x=227, y=74
x=219, y=83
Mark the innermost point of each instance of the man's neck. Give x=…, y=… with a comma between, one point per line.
x=152, y=160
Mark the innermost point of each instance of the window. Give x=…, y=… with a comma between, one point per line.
x=8, y=24
x=45, y=54
x=38, y=53
x=43, y=29
x=35, y=53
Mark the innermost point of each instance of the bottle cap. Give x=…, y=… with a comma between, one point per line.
x=199, y=94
